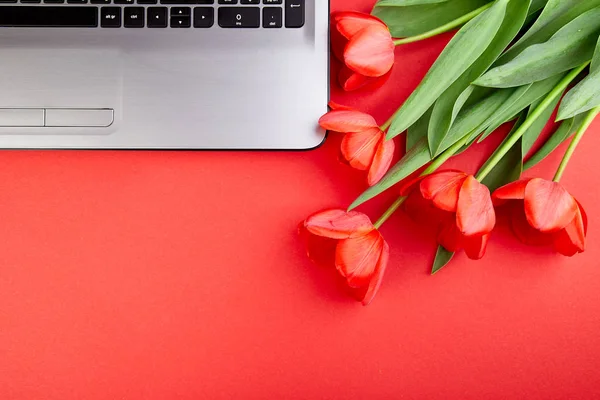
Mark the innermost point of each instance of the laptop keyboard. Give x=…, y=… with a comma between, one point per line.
x=152, y=13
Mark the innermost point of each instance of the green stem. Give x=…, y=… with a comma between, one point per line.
x=444, y=28
x=514, y=138
x=388, y=213
x=580, y=132
x=441, y=159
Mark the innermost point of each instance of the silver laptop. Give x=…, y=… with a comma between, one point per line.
x=163, y=74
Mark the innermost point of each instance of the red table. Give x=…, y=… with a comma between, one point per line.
x=179, y=275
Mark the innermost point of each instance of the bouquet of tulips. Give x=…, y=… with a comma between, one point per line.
x=509, y=61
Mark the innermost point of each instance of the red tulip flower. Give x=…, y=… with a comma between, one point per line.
x=364, y=146
x=363, y=43
x=461, y=207
x=361, y=253
x=542, y=213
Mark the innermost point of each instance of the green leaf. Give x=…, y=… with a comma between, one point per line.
x=568, y=48
x=510, y=167
x=452, y=100
x=473, y=116
x=442, y=258
x=417, y=19
x=585, y=95
x=532, y=134
x=537, y=5
x=507, y=112
x=565, y=131
x=596, y=60
x=555, y=15
x=460, y=53
x=418, y=130
x=521, y=99
x=414, y=159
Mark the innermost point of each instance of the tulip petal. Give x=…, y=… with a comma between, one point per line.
x=475, y=246
x=350, y=80
x=370, y=52
x=349, y=23
x=512, y=191
x=381, y=161
x=377, y=277
x=320, y=250
x=475, y=215
x=335, y=106
x=571, y=240
x=450, y=237
x=338, y=43
x=339, y=224
x=443, y=188
x=359, y=148
x=525, y=232
x=356, y=258
x=548, y=206
x=347, y=121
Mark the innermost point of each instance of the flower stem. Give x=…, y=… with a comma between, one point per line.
x=439, y=160
x=388, y=213
x=514, y=138
x=580, y=132
x=444, y=28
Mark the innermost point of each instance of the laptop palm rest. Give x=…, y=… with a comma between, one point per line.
x=45, y=90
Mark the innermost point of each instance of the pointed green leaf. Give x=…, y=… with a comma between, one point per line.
x=510, y=167
x=537, y=5
x=460, y=53
x=596, y=60
x=586, y=94
x=452, y=100
x=565, y=131
x=532, y=134
x=507, y=111
x=473, y=116
x=442, y=258
x=568, y=48
x=555, y=15
x=405, y=21
x=522, y=98
x=418, y=130
x=416, y=158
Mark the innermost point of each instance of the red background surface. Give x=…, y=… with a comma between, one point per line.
x=179, y=275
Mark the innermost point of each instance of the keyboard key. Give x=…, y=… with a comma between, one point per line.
x=147, y=1
x=8, y=1
x=181, y=11
x=181, y=22
x=178, y=1
x=157, y=17
x=250, y=2
x=272, y=1
x=110, y=17
x=205, y=1
x=77, y=1
x=29, y=1
x=54, y=1
x=272, y=17
x=124, y=2
x=294, y=13
x=204, y=17
x=239, y=17
x=49, y=17
x=228, y=1
x=134, y=17
x=100, y=1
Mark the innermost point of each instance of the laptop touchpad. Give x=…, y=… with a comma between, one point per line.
x=88, y=79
